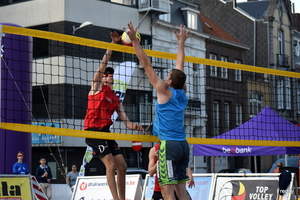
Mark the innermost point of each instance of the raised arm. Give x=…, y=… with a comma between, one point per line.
x=96, y=84
x=152, y=165
x=159, y=85
x=181, y=37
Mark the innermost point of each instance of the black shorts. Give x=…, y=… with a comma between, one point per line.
x=158, y=196
x=102, y=147
x=173, y=159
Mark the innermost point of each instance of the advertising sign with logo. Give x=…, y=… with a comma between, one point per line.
x=202, y=189
x=245, y=188
x=15, y=188
x=37, y=138
x=96, y=188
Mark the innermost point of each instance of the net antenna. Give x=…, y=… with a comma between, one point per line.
x=87, y=23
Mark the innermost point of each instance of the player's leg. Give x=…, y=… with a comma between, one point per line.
x=181, y=170
x=181, y=192
x=167, y=169
x=101, y=150
x=121, y=175
x=168, y=191
x=110, y=165
x=121, y=167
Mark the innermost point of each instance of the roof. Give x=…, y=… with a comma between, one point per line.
x=214, y=30
x=257, y=9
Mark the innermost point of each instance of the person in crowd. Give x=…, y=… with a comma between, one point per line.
x=169, y=121
x=285, y=178
x=71, y=177
x=20, y=167
x=278, y=168
x=152, y=166
x=102, y=103
x=44, y=176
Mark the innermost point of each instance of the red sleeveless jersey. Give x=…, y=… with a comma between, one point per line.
x=100, y=108
x=156, y=185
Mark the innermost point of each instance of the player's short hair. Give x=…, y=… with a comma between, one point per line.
x=178, y=78
x=109, y=70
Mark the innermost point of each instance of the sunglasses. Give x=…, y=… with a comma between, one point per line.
x=20, y=155
x=106, y=75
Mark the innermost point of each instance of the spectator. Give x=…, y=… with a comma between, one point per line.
x=278, y=168
x=20, y=167
x=284, y=181
x=71, y=177
x=44, y=176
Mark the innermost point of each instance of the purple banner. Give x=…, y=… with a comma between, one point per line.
x=230, y=150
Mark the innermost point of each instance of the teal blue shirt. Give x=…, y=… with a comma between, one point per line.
x=169, y=120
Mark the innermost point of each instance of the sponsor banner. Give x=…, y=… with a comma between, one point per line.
x=229, y=188
x=37, y=138
x=15, y=188
x=202, y=189
x=96, y=187
x=229, y=150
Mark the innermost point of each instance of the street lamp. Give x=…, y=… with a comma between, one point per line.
x=87, y=23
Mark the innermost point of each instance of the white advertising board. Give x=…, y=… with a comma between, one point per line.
x=96, y=188
x=252, y=188
x=202, y=189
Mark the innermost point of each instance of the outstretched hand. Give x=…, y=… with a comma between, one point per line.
x=115, y=38
x=131, y=32
x=183, y=34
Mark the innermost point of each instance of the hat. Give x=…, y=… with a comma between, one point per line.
x=109, y=70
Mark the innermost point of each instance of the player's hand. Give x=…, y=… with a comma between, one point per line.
x=191, y=183
x=131, y=32
x=115, y=38
x=183, y=33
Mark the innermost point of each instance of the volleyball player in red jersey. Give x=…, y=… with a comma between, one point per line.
x=102, y=103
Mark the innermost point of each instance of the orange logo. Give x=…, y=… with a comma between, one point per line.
x=83, y=186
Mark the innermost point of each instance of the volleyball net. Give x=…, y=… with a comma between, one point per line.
x=52, y=89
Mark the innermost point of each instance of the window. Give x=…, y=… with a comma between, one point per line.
x=238, y=73
x=125, y=2
x=238, y=114
x=166, y=17
x=256, y=99
x=192, y=20
x=226, y=117
x=224, y=71
x=288, y=98
x=138, y=105
x=213, y=69
x=196, y=77
x=279, y=94
x=297, y=47
x=191, y=15
x=216, y=123
x=280, y=42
